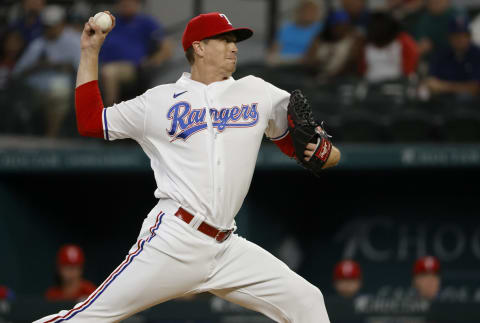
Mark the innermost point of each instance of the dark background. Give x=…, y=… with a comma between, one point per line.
x=387, y=209
x=384, y=219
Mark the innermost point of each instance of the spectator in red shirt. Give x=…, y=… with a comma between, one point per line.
x=71, y=285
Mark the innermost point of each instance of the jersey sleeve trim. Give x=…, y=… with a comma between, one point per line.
x=286, y=145
x=283, y=135
x=105, y=123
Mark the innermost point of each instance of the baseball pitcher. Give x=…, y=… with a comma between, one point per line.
x=202, y=135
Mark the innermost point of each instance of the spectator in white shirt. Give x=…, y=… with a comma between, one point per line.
x=47, y=66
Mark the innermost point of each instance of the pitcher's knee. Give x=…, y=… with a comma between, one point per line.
x=309, y=306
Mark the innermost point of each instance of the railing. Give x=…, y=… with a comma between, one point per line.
x=83, y=156
x=212, y=309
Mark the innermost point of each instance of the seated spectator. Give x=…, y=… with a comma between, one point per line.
x=347, y=278
x=407, y=12
x=70, y=283
x=456, y=70
x=426, y=277
x=29, y=22
x=136, y=41
x=432, y=28
x=12, y=44
x=335, y=50
x=294, y=38
x=389, y=54
x=47, y=66
x=358, y=14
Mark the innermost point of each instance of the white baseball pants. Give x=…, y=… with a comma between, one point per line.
x=173, y=259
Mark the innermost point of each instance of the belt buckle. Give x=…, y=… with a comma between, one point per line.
x=228, y=232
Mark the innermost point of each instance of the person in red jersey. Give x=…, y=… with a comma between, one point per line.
x=347, y=278
x=71, y=284
x=426, y=277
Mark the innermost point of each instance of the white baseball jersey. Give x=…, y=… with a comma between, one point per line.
x=202, y=140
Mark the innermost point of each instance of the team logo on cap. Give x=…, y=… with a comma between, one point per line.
x=225, y=17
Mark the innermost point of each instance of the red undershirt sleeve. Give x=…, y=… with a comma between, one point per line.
x=89, y=108
x=286, y=145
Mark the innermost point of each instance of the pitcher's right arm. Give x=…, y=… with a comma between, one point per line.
x=88, y=102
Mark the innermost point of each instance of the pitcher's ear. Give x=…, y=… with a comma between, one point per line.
x=198, y=48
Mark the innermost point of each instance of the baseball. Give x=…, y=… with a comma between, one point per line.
x=103, y=20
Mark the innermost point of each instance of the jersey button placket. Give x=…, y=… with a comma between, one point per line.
x=217, y=164
x=213, y=145
x=219, y=171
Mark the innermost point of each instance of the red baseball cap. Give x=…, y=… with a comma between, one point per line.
x=211, y=24
x=70, y=255
x=347, y=269
x=428, y=264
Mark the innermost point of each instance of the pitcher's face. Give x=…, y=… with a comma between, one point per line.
x=221, y=53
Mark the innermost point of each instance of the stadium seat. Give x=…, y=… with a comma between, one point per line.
x=359, y=126
x=461, y=126
x=324, y=104
x=385, y=98
x=412, y=126
x=20, y=113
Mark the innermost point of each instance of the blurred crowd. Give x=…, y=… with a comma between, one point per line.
x=428, y=46
x=397, y=71
x=40, y=52
x=429, y=39
x=70, y=285
x=426, y=278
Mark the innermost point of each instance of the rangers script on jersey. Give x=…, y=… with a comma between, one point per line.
x=202, y=140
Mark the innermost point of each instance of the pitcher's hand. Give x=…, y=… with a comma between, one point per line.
x=93, y=36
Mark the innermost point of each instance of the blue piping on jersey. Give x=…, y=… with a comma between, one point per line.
x=281, y=136
x=106, y=124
